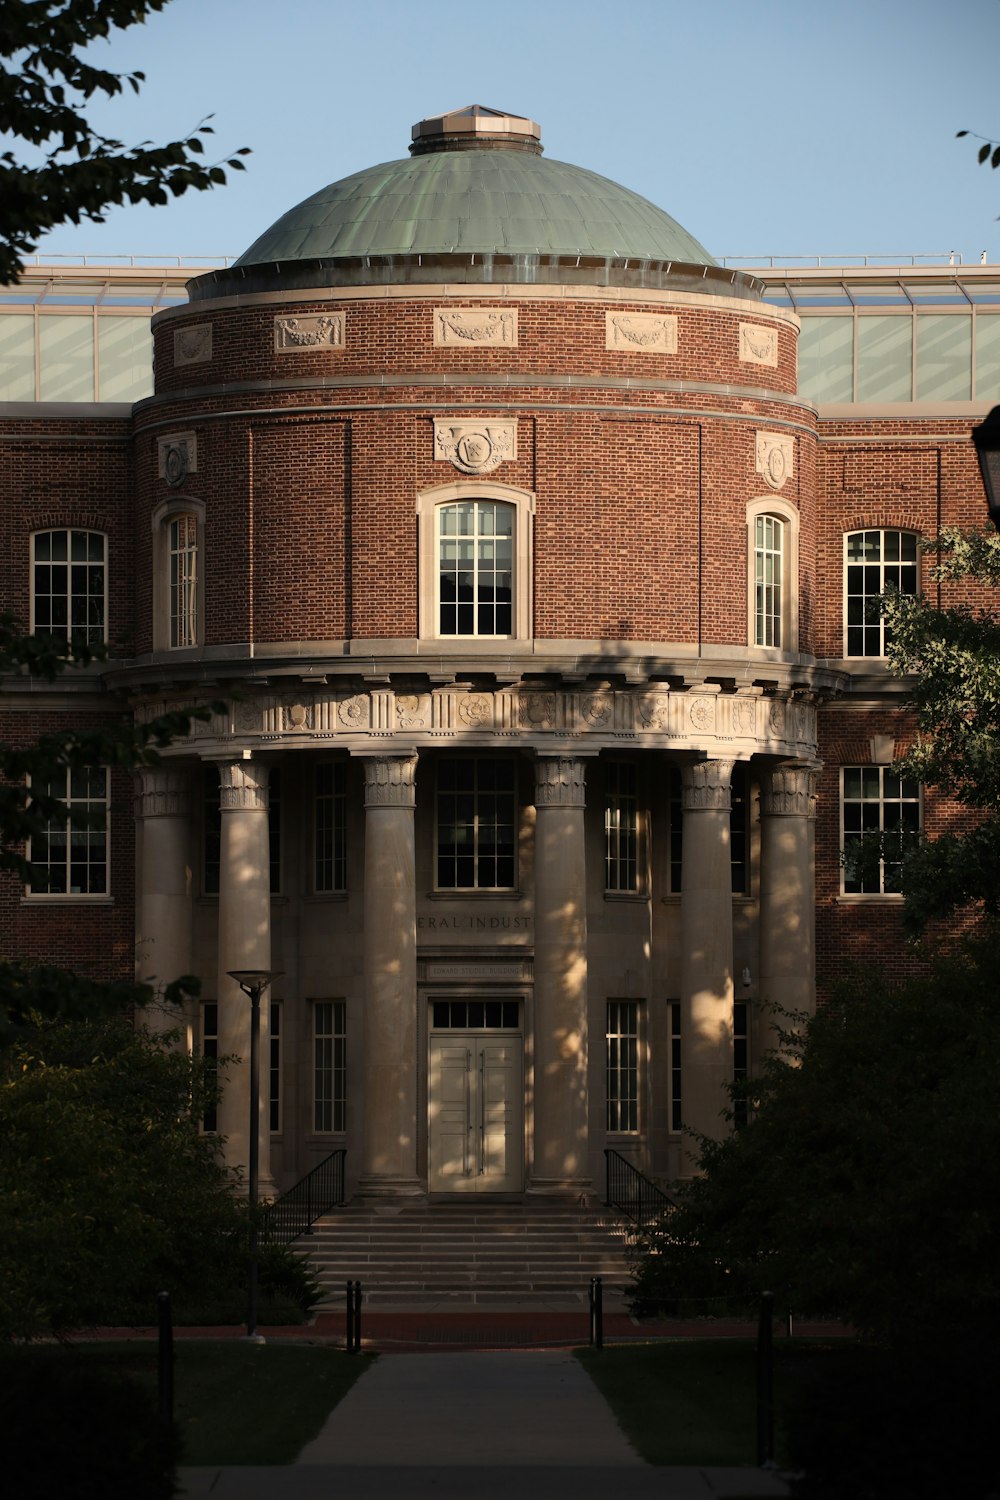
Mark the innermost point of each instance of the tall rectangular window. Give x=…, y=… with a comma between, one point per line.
x=676, y=1114
x=880, y=816
x=69, y=584
x=741, y=1056
x=476, y=824
x=330, y=848
x=182, y=535
x=739, y=828
x=329, y=1065
x=621, y=826
x=475, y=568
x=769, y=543
x=274, y=1066
x=211, y=830
x=67, y=860
x=676, y=808
x=875, y=562
x=622, y=1069
x=274, y=830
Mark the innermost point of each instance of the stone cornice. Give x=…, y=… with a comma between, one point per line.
x=553, y=721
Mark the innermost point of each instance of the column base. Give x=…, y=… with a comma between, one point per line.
x=390, y=1187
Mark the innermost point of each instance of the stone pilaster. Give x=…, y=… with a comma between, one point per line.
x=164, y=896
x=707, y=944
x=787, y=978
x=561, y=1146
x=244, y=943
x=389, y=1161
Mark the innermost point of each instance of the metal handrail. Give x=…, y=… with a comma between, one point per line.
x=296, y=1211
x=633, y=1194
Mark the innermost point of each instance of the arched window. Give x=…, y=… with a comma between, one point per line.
x=178, y=570
x=772, y=582
x=475, y=572
x=69, y=584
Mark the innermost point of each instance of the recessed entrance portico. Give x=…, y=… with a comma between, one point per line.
x=475, y=1107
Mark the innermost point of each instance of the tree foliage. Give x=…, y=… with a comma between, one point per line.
x=989, y=151
x=951, y=658
x=867, y=1183
x=71, y=172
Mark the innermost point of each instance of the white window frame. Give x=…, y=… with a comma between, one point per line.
x=881, y=802
x=92, y=634
x=428, y=507
x=328, y=1069
x=882, y=565
x=69, y=834
x=165, y=517
x=770, y=507
x=333, y=829
x=622, y=1054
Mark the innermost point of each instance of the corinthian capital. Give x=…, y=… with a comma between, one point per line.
x=788, y=792
x=705, y=785
x=243, y=786
x=160, y=793
x=389, y=780
x=559, y=781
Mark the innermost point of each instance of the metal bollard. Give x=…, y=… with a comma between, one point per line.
x=765, y=1382
x=596, y=1313
x=165, y=1357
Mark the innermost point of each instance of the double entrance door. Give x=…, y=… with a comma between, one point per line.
x=476, y=1113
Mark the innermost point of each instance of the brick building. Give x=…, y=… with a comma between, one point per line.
x=534, y=554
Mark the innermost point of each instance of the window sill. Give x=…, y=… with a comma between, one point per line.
x=475, y=893
x=67, y=900
x=869, y=898
x=320, y=898
x=634, y=896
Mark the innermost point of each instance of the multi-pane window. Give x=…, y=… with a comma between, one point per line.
x=274, y=1066
x=329, y=1065
x=182, y=541
x=739, y=828
x=676, y=810
x=210, y=1049
x=676, y=1116
x=880, y=817
x=623, y=1065
x=874, y=563
x=68, y=860
x=621, y=826
x=69, y=584
x=768, y=566
x=475, y=568
x=274, y=830
x=330, y=849
x=476, y=828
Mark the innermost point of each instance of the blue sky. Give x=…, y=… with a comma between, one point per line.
x=787, y=127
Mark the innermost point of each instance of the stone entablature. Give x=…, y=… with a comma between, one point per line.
x=700, y=718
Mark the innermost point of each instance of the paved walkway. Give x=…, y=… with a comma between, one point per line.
x=527, y=1424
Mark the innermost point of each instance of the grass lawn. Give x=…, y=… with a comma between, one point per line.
x=234, y=1403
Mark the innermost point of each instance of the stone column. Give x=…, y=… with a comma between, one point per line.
x=244, y=943
x=787, y=897
x=707, y=958
x=389, y=1162
x=163, y=905
x=561, y=1146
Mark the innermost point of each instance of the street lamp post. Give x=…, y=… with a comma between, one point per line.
x=253, y=983
x=987, y=440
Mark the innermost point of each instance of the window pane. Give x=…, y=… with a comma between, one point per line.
x=987, y=358
x=826, y=359
x=66, y=357
x=125, y=359
x=476, y=823
x=885, y=359
x=944, y=357
x=17, y=358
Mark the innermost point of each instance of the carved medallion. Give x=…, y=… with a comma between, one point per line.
x=758, y=345
x=474, y=447
x=354, y=712
x=641, y=333
x=744, y=716
x=410, y=711
x=702, y=713
x=538, y=710
x=776, y=719
x=595, y=710
x=482, y=327
x=654, y=711
x=475, y=710
x=296, y=718
x=775, y=452
x=177, y=457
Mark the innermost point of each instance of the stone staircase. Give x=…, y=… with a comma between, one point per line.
x=457, y=1254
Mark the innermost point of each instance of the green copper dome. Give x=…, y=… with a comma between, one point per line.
x=475, y=205
x=480, y=202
